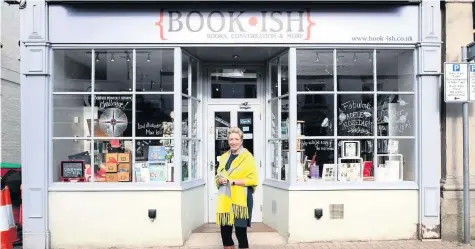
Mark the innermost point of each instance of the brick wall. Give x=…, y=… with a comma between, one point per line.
x=10, y=140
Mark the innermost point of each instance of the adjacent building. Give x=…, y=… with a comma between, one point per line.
x=457, y=31
x=10, y=115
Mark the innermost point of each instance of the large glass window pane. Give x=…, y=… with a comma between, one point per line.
x=185, y=77
x=274, y=74
x=317, y=157
x=314, y=70
x=355, y=159
x=113, y=161
x=284, y=74
x=274, y=121
x=113, y=71
x=154, y=70
x=194, y=78
x=67, y=150
x=234, y=83
x=395, y=115
x=355, y=70
x=154, y=115
x=284, y=118
x=316, y=113
x=114, y=116
x=395, y=70
x=355, y=115
x=72, y=115
x=395, y=160
x=185, y=159
x=154, y=160
x=72, y=70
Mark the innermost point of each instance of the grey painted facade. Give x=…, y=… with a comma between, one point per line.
x=36, y=130
x=10, y=84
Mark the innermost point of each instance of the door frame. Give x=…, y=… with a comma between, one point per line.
x=262, y=86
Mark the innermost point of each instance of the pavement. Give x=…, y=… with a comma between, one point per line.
x=338, y=245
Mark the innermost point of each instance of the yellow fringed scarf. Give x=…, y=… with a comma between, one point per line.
x=232, y=199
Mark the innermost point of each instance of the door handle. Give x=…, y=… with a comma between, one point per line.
x=211, y=165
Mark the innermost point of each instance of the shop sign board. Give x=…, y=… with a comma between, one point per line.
x=223, y=25
x=456, y=79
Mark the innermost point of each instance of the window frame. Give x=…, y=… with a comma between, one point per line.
x=93, y=186
x=293, y=184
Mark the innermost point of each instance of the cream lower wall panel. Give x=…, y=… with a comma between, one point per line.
x=276, y=217
x=192, y=210
x=120, y=219
x=368, y=215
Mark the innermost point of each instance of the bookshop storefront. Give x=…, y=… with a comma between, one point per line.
x=125, y=110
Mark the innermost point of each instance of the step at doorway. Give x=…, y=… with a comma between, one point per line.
x=258, y=234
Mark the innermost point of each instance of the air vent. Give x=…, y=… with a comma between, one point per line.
x=274, y=207
x=337, y=211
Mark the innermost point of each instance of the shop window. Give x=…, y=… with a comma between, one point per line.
x=315, y=70
x=113, y=71
x=279, y=109
x=191, y=142
x=112, y=129
x=154, y=71
x=356, y=124
x=72, y=70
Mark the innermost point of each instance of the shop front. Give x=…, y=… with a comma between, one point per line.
x=125, y=111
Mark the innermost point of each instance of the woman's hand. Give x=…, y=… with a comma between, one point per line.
x=222, y=181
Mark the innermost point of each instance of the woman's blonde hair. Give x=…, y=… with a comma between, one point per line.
x=235, y=130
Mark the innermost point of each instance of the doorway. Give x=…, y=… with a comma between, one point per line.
x=234, y=101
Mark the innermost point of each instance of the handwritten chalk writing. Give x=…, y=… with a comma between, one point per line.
x=352, y=105
x=394, y=116
x=121, y=102
x=355, y=118
x=151, y=129
x=72, y=170
x=318, y=144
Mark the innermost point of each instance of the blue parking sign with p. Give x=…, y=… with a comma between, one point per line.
x=456, y=68
x=472, y=68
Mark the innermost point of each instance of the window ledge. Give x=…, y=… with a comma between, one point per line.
x=119, y=186
x=276, y=184
x=335, y=186
x=192, y=184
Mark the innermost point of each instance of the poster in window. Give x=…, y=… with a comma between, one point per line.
x=115, y=114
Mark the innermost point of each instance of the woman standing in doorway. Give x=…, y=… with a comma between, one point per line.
x=236, y=180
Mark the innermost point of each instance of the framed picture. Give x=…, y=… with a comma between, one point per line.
x=350, y=149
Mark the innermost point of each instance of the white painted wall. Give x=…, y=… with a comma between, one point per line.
x=120, y=219
x=10, y=141
x=369, y=215
x=277, y=215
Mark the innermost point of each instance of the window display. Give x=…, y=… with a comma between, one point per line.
x=119, y=132
x=279, y=106
x=353, y=125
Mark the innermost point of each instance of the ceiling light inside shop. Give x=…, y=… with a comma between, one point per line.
x=112, y=57
x=317, y=59
x=236, y=56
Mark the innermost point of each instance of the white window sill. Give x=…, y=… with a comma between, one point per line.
x=334, y=186
x=123, y=186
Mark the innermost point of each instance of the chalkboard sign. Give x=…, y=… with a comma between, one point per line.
x=355, y=118
x=72, y=170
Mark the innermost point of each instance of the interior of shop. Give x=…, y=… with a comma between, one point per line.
x=134, y=122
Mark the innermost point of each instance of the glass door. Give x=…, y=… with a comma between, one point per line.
x=220, y=119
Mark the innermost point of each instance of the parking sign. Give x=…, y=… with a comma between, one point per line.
x=456, y=80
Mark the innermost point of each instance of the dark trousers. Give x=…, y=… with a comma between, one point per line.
x=241, y=234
